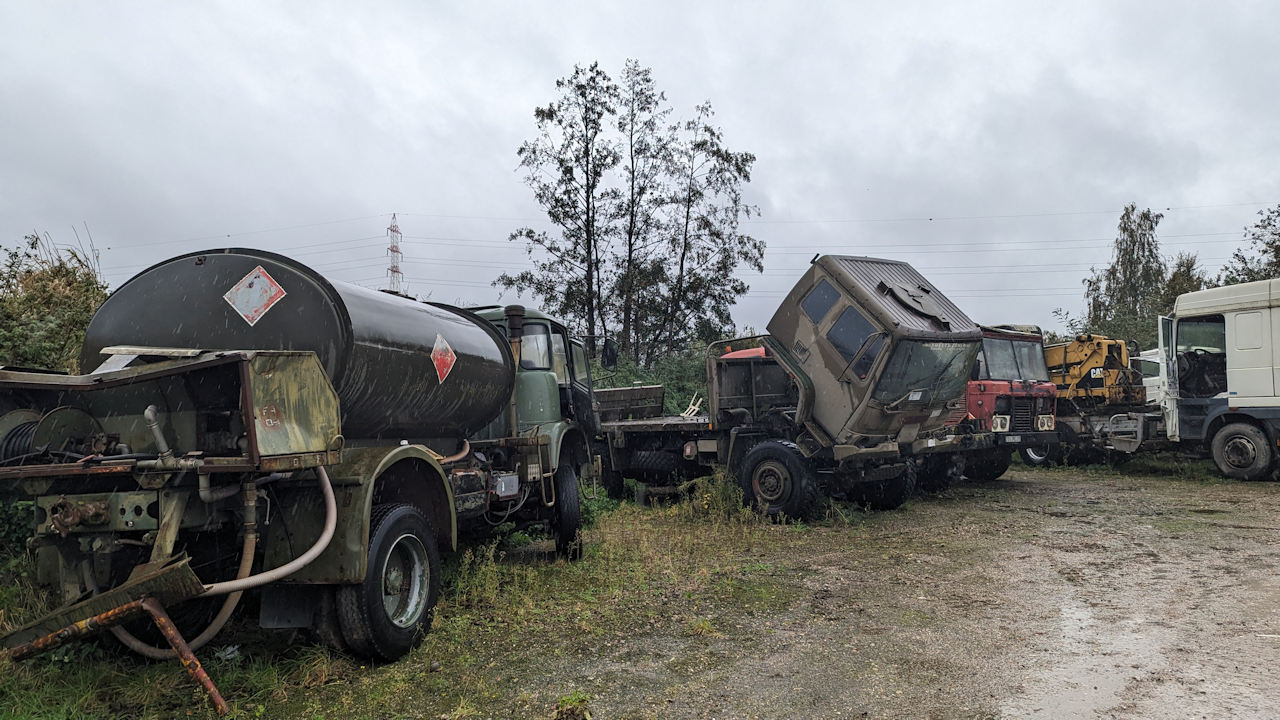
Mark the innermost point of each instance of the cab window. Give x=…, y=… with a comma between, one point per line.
x=579, y=366
x=535, y=347
x=560, y=358
x=819, y=301
x=849, y=332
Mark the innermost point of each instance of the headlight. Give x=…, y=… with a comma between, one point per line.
x=1044, y=422
x=1000, y=423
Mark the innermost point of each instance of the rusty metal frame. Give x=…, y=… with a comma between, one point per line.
x=117, y=615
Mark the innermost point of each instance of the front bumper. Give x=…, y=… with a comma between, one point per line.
x=1026, y=439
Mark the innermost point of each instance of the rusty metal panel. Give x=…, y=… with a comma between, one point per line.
x=294, y=407
x=171, y=582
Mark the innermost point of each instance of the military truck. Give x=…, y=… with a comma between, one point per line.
x=250, y=424
x=864, y=368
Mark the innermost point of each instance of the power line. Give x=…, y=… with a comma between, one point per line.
x=1007, y=216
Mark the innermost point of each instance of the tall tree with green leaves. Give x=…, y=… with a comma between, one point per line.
x=1259, y=258
x=647, y=214
x=47, y=296
x=646, y=146
x=567, y=165
x=705, y=244
x=1123, y=300
x=1185, y=275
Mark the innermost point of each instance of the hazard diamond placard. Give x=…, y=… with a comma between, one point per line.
x=443, y=357
x=254, y=295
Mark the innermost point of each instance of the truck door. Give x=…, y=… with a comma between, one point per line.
x=1248, y=355
x=584, y=406
x=836, y=345
x=1168, y=358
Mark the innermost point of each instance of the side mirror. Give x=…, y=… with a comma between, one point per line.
x=609, y=354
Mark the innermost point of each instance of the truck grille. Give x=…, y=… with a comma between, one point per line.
x=1024, y=415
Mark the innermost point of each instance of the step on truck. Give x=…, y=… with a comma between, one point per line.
x=864, y=370
x=251, y=425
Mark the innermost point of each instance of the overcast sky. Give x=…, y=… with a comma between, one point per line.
x=993, y=146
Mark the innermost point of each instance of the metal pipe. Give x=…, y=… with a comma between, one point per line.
x=210, y=495
x=515, y=331
x=247, y=550
x=152, y=416
x=188, y=658
x=270, y=576
x=466, y=450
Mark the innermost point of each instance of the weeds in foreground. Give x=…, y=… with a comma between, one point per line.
x=573, y=707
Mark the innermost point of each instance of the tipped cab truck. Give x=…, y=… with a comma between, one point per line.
x=863, y=370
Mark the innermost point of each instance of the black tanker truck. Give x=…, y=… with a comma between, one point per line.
x=250, y=424
x=863, y=371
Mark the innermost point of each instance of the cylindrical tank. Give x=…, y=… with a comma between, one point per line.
x=402, y=368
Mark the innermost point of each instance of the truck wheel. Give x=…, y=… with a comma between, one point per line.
x=1241, y=451
x=568, y=520
x=890, y=493
x=387, y=615
x=778, y=480
x=1036, y=456
x=935, y=473
x=989, y=465
x=325, y=625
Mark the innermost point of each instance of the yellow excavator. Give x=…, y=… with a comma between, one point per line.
x=1097, y=393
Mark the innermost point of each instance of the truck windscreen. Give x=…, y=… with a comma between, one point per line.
x=940, y=368
x=1012, y=360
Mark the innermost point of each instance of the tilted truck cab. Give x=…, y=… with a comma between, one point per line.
x=880, y=357
x=863, y=370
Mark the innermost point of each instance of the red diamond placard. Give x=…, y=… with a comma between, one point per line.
x=254, y=295
x=443, y=357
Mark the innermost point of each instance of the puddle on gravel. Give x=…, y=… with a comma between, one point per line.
x=1097, y=660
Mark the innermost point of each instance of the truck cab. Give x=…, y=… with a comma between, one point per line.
x=1218, y=348
x=553, y=395
x=881, y=358
x=1010, y=394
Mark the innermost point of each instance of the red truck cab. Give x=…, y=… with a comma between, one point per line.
x=1010, y=394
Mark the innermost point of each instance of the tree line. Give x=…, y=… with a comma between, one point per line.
x=1125, y=298
x=646, y=213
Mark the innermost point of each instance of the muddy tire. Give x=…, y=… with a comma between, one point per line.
x=1241, y=451
x=389, y=612
x=989, y=465
x=779, y=481
x=568, y=520
x=889, y=494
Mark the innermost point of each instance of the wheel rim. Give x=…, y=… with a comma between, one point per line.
x=404, y=581
x=771, y=482
x=1240, y=452
x=1037, y=454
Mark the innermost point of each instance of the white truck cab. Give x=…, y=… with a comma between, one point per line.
x=1220, y=364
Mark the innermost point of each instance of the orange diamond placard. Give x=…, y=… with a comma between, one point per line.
x=254, y=295
x=443, y=357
